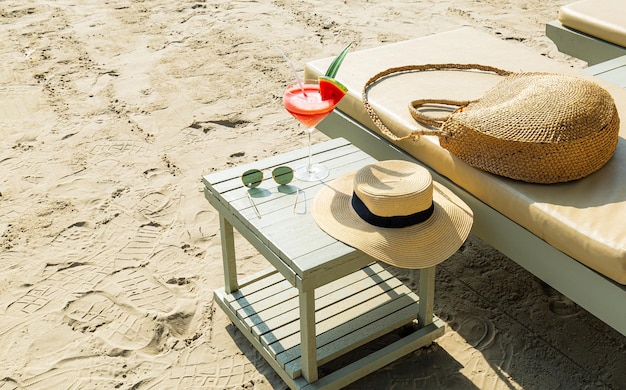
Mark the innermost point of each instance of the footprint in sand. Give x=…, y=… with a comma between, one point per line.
x=139, y=248
x=89, y=372
x=558, y=303
x=55, y=291
x=115, y=148
x=190, y=135
x=47, y=296
x=131, y=310
x=496, y=350
x=563, y=307
x=158, y=206
x=206, y=367
x=478, y=332
x=198, y=228
x=120, y=327
x=72, y=245
x=137, y=288
x=170, y=259
x=106, y=155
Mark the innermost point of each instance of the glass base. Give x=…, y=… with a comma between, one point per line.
x=314, y=172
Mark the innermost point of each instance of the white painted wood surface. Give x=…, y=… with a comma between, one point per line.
x=613, y=71
x=580, y=45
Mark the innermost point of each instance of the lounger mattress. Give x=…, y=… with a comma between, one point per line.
x=603, y=19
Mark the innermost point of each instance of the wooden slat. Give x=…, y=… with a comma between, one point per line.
x=359, y=337
x=380, y=358
x=285, y=323
x=354, y=281
x=345, y=322
x=343, y=307
x=350, y=312
x=268, y=308
x=260, y=295
x=251, y=288
x=311, y=240
x=303, y=230
x=315, y=272
x=264, y=312
x=254, y=278
x=338, y=168
x=353, y=334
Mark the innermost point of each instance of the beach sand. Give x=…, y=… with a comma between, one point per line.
x=110, y=113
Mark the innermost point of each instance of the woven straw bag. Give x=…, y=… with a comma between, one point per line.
x=533, y=127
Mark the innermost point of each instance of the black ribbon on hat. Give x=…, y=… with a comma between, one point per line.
x=397, y=221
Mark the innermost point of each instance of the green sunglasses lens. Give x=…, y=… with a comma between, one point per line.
x=252, y=178
x=282, y=175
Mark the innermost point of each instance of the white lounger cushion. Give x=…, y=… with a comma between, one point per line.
x=603, y=19
x=585, y=219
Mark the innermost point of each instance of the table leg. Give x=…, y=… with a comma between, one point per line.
x=308, y=346
x=427, y=296
x=228, y=256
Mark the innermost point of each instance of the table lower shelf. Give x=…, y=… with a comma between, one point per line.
x=349, y=312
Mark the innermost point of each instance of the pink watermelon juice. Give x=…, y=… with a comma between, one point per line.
x=309, y=109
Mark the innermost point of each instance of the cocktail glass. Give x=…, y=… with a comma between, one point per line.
x=303, y=100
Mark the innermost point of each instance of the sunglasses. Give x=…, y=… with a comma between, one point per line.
x=252, y=178
x=282, y=175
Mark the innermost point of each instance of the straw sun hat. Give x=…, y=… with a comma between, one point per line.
x=394, y=212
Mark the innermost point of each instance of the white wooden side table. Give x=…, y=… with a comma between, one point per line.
x=320, y=298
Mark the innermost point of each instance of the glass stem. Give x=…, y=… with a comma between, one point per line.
x=310, y=164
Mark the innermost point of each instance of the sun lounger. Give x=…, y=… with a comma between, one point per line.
x=571, y=235
x=592, y=30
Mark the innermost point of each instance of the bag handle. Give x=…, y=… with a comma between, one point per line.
x=432, y=121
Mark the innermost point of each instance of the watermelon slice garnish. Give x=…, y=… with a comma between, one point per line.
x=331, y=89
